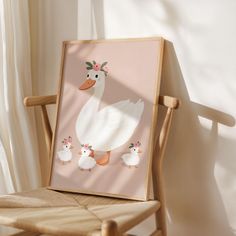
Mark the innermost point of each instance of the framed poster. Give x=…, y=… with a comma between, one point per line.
x=106, y=117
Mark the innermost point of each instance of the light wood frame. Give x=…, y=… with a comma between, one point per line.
x=109, y=228
x=152, y=137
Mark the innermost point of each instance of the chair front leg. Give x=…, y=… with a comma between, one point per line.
x=109, y=228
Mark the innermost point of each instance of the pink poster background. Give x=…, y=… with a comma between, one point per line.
x=133, y=74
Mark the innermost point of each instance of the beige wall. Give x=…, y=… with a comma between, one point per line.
x=199, y=67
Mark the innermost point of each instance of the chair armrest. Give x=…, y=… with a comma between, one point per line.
x=166, y=101
x=40, y=100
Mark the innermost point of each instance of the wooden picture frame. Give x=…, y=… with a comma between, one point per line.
x=110, y=125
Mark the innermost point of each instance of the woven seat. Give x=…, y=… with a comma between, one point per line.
x=57, y=213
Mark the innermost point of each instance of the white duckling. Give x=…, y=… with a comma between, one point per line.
x=86, y=160
x=132, y=158
x=65, y=155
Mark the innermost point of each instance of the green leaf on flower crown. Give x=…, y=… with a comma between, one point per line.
x=89, y=68
x=94, y=62
x=103, y=64
x=104, y=72
x=89, y=63
x=131, y=145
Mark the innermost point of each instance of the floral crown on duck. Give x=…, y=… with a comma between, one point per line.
x=67, y=140
x=96, y=66
x=86, y=146
x=138, y=144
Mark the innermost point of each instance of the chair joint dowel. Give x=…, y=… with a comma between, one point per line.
x=169, y=102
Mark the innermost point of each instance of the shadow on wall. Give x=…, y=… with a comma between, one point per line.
x=194, y=203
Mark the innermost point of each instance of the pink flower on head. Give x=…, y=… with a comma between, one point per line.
x=69, y=139
x=65, y=141
x=96, y=67
x=87, y=146
x=138, y=144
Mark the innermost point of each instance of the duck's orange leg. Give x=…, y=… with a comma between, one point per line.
x=104, y=160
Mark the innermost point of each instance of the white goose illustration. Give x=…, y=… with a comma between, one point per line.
x=110, y=127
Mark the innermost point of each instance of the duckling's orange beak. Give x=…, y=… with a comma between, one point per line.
x=88, y=83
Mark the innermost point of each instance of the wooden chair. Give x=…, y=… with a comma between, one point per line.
x=60, y=213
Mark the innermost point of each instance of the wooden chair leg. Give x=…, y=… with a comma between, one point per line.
x=158, y=175
x=109, y=228
x=161, y=222
x=156, y=233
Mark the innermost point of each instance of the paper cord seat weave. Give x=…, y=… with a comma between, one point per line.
x=51, y=212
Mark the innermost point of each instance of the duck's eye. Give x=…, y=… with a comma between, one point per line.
x=84, y=151
x=96, y=76
x=66, y=146
x=87, y=75
x=134, y=149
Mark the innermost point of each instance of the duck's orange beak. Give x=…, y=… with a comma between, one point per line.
x=88, y=83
